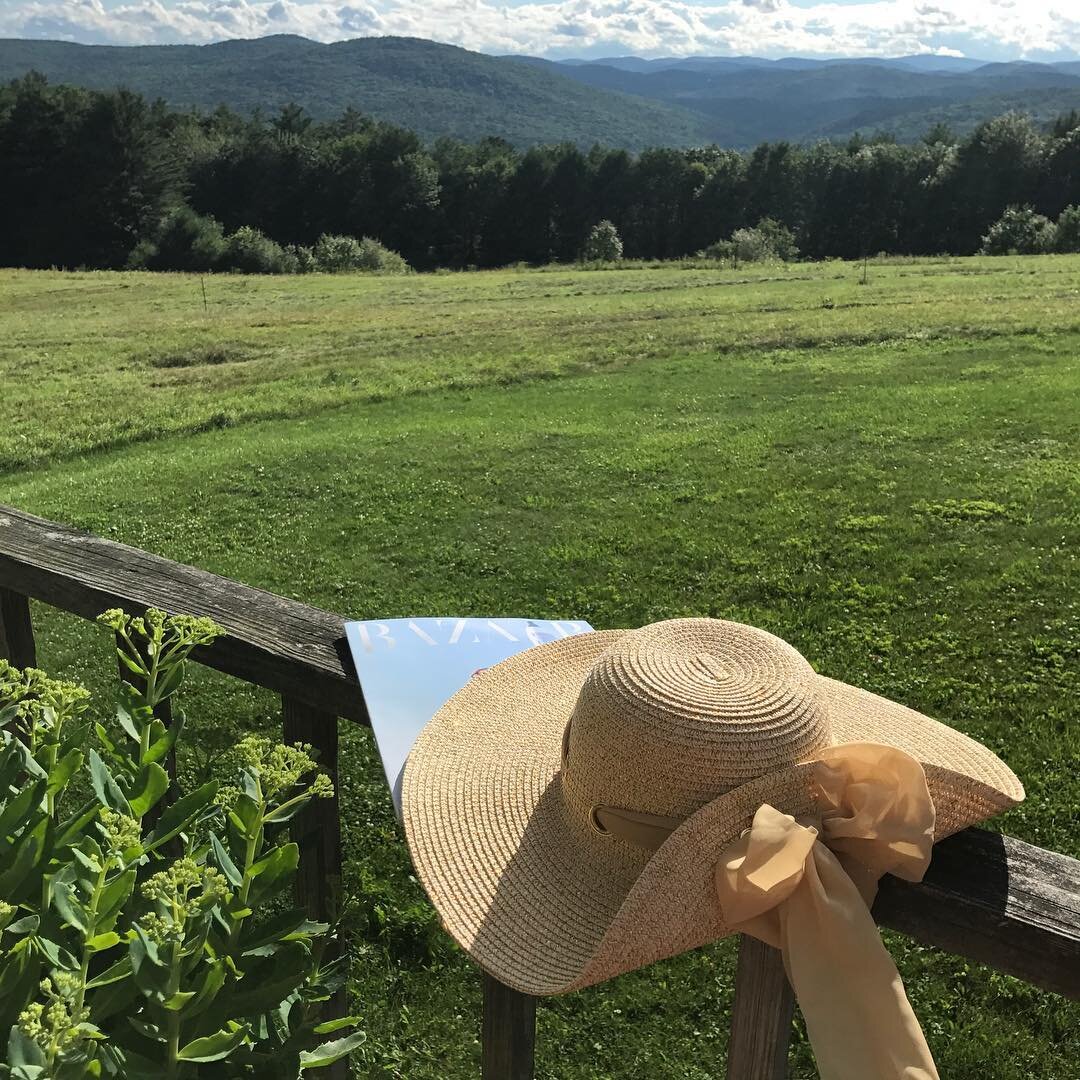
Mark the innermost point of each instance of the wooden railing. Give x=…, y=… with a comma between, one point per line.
x=991, y=898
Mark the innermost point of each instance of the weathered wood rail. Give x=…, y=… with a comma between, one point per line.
x=990, y=898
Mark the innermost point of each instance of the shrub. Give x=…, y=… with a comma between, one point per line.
x=379, y=259
x=720, y=250
x=603, y=244
x=341, y=254
x=248, y=251
x=303, y=258
x=766, y=241
x=779, y=238
x=185, y=241
x=1019, y=231
x=1067, y=230
x=141, y=254
x=750, y=245
x=335, y=254
x=143, y=928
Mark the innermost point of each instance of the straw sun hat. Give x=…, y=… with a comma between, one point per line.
x=516, y=794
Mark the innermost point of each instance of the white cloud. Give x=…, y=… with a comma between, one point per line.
x=992, y=28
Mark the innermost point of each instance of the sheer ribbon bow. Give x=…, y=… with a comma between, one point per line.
x=805, y=887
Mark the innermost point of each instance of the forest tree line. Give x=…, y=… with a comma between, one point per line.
x=98, y=179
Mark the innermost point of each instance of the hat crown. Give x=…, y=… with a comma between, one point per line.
x=677, y=713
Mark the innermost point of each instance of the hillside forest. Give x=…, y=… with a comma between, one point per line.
x=108, y=179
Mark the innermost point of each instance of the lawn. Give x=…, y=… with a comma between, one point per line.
x=886, y=474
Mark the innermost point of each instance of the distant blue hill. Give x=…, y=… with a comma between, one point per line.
x=744, y=100
x=626, y=101
x=432, y=89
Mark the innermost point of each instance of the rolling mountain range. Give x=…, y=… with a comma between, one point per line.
x=432, y=89
x=743, y=100
x=621, y=101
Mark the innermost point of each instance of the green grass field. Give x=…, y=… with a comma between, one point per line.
x=887, y=475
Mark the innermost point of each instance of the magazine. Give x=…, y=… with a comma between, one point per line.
x=408, y=668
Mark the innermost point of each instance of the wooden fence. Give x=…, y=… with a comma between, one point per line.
x=990, y=898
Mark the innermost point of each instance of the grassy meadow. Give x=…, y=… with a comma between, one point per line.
x=885, y=474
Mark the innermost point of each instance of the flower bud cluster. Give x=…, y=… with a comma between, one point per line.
x=119, y=831
x=183, y=891
x=280, y=767
x=52, y=1024
x=39, y=699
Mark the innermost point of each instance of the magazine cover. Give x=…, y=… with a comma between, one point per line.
x=408, y=668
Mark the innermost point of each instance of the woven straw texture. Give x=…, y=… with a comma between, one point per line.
x=697, y=719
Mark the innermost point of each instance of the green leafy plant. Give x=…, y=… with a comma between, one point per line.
x=603, y=244
x=1019, y=231
x=249, y=251
x=144, y=931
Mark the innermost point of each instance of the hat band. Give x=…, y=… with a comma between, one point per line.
x=647, y=831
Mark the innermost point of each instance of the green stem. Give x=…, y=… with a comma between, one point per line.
x=132, y=648
x=174, y=1043
x=151, y=677
x=91, y=932
x=144, y=743
x=173, y=1025
x=250, y=852
x=50, y=764
x=304, y=795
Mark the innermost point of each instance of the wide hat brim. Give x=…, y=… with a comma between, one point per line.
x=547, y=904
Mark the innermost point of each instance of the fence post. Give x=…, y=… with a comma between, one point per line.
x=16, y=630
x=317, y=832
x=509, y=1032
x=761, y=1015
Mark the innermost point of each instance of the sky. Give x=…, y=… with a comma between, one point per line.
x=1047, y=30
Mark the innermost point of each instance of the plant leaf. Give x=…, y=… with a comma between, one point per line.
x=64, y=770
x=213, y=981
x=22, y=1050
x=105, y=787
x=224, y=861
x=272, y=871
x=164, y=740
x=171, y=683
x=214, y=1047
x=178, y=815
x=277, y=928
x=146, y=1029
x=28, y=853
x=101, y=942
x=120, y=970
x=75, y=825
x=151, y=784
x=177, y=1001
x=336, y=1025
x=68, y=906
x=115, y=994
x=151, y=974
x=330, y=1052
x=15, y=813
x=287, y=811
x=247, y=811
x=57, y=955
x=18, y=982
x=114, y=896
x=271, y=981
x=132, y=666
x=132, y=710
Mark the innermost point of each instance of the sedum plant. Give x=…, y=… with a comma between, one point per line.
x=144, y=931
